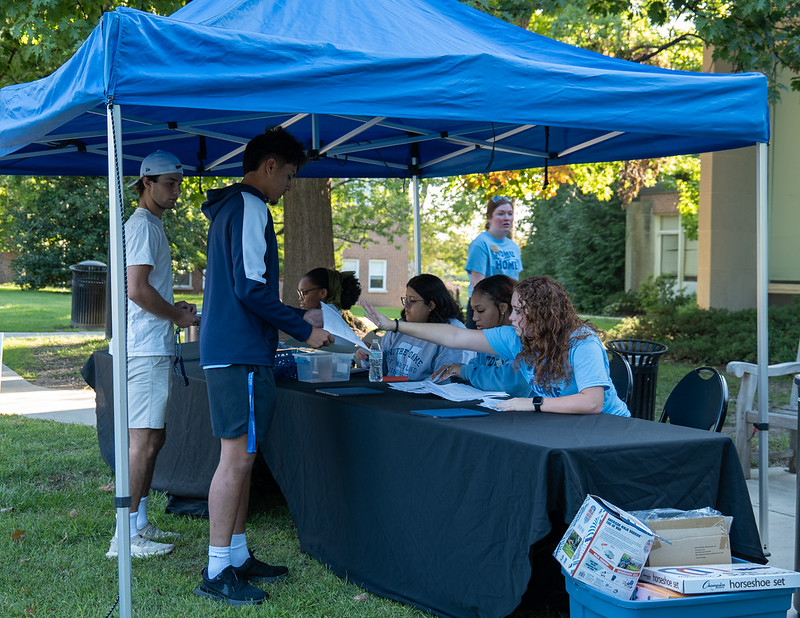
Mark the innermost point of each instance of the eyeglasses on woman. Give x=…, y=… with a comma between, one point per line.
x=302, y=293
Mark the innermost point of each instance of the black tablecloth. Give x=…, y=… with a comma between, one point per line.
x=442, y=513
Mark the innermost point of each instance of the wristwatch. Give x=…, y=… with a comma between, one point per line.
x=537, y=403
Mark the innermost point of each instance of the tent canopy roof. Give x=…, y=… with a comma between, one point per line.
x=378, y=88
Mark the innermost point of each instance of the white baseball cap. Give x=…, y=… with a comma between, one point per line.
x=159, y=162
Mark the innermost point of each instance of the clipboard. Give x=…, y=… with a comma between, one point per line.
x=449, y=412
x=347, y=391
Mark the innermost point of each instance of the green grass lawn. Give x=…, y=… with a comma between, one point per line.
x=34, y=311
x=57, y=516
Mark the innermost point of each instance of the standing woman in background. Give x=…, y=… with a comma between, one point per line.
x=493, y=252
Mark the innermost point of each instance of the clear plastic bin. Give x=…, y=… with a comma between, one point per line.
x=323, y=366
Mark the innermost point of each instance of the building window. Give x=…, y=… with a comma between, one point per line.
x=351, y=266
x=182, y=280
x=377, y=276
x=675, y=254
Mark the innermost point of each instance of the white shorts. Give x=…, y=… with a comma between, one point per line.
x=148, y=389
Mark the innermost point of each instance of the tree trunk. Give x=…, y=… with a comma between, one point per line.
x=308, y=232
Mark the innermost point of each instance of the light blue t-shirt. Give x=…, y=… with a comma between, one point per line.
x=589, y=367
x=492, y=373
x=489, y=256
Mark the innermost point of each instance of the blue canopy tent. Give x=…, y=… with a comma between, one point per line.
x=375, y=88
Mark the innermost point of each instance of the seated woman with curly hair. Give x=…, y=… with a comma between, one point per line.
x=560, y=354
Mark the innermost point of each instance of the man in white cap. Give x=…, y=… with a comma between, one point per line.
x=151, y=314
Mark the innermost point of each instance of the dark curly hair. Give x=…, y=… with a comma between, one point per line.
x=431, y=288
x=551, y=325
x=497, y=287
x=275, y=142
x=350, y=287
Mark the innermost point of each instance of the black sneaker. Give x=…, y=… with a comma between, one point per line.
x=256, y=571
x=228, y=587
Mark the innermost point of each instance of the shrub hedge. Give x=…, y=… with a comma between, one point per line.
x=708, y=336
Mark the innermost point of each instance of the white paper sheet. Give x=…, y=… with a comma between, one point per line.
x=333, y=322
x=454, y=391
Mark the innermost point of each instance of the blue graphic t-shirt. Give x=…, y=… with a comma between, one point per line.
x=404, y=355
x=489, y=256
x=589, y=367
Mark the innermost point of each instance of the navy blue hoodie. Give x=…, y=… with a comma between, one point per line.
x=242, y=311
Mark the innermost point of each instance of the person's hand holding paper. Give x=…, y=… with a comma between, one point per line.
x=336, y=326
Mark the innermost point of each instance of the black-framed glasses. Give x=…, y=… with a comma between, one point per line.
x=302, y=293
x=177, y=365
x=407, y=302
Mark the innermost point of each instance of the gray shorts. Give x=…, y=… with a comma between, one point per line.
x=229, y=401
x=148, y=390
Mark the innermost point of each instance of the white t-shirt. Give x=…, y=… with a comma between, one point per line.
x=146, y=244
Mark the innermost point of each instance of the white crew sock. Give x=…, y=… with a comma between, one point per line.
x=142, y=520
x=134, y=531
x=219, y=558
x=239, y=551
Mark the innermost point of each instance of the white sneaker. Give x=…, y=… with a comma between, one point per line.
x=140, y=548
x=151, y=533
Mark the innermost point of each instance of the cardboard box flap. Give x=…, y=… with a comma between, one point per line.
x=629, y=519
x=690, y=541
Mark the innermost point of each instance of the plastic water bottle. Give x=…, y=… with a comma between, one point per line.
x=375, y=362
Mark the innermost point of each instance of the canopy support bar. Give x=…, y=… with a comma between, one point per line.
x=357, y=131
x=415, y=197
x=762, y=279
x=118, y=349
x=590, y=143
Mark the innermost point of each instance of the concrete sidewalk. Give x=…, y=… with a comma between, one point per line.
x=17, y=396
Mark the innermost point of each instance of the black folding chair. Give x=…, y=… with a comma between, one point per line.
x=621, y=375
x=699, y=400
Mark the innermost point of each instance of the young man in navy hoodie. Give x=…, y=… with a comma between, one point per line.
x=242, y=314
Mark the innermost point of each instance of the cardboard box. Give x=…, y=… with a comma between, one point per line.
x=653, y=592
x=708, y=579
x=605, y=548
x=696, y=540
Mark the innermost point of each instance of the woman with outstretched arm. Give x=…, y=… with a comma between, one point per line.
x=560, y=354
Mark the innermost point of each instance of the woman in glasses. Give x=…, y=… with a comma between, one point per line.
x=332, y=287
x=491, y=307
x=340, y=289
x=493, y=252
x=560, y=354
x=426, y=301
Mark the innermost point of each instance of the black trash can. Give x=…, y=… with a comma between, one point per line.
x=643, y=357
x=88, y=294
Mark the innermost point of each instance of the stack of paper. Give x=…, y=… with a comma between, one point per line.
x=452, y=392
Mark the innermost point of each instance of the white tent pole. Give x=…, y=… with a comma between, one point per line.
x=762, y=278
x=415, y=198
x=417, y=232
x=118, y=349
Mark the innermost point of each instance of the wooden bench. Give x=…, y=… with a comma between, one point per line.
x=783, y=417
